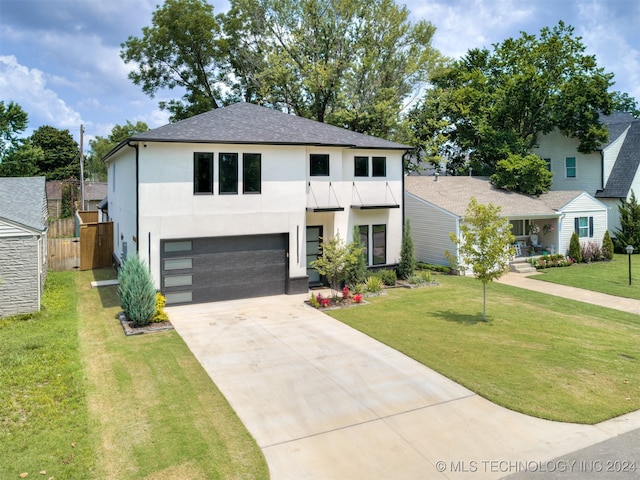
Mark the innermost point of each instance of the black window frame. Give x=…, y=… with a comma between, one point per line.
x=246, y=175
x=375, y=245
x=224, y=171
x=358, y=163
x=314, y=164
x=199, y=187
x=375, y=166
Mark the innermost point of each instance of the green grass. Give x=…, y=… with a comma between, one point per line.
x=606, y=277
x=540, y=355
x=135, y=407
x=43, y=407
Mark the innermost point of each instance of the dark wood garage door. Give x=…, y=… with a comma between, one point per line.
x=198, y=270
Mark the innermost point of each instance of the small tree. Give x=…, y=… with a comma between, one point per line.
x=575, y=249
x=528, y=174
x=629, y=231
x=136, y=291
x=486, y=244
x=407, y=260
x=334, y=262
x=607, y=246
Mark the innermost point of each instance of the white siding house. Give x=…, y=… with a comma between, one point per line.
x=233, y=203
x=436, y=206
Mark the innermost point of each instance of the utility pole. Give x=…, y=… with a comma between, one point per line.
x=82, y=166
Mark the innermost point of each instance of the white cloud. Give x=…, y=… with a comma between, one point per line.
x=28, y=88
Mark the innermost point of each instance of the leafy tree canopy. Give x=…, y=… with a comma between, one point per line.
x=61, y=153
x=491, y=104
x=528, y=174
x=623, y=102
x=629, y=231
x=13, y=121
x=100, y=146
x=182, y=48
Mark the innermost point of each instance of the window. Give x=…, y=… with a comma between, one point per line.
x=228, y=166
x=251, y=173
x=548, y=162
x=584, y=227
x=570, y=167
x=519, y=228
x=361, y=166
x=178, y=246
x=364, y=240
x=178, y=263
x=203, y=173
x=319, y=165
x=379, y=244
x=379, y=166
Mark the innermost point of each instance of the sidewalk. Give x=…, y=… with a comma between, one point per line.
x=595, y=298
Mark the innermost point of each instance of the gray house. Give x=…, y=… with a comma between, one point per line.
x=23, y=244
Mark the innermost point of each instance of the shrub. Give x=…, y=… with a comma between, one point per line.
x=388, y=277
x=373, y=284
x=433, y=268
x=160, y=315
x=607, y=246
x=358, y=288
x=550, y=261
x=357, y=298
x=356, y=268
x=575, y=250
x=407, y=261
x=416, y=279
x=313, y=301
x=591, y=252
x=136, y=291
x=426, y=276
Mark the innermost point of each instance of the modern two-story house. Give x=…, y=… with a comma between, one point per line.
x=609, y=174
x=235, y=202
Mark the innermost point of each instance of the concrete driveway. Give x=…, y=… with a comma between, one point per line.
x=324, y=401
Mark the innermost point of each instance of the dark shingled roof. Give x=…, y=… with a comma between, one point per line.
x=626, y=165
x=23, y=200
x=246, y=123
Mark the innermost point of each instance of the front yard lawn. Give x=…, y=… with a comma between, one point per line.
x=80, y=400
x=606, y=277
x=537, y=354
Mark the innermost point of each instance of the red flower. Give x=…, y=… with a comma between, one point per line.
x=357, y=298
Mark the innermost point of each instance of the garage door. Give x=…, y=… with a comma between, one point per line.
x=197, y=270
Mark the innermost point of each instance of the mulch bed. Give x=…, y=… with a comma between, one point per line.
x=129, y=329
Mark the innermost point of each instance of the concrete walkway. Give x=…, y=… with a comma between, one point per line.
x=324, y=401
x=602, y=299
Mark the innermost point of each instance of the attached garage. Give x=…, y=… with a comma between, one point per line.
x=199, y=270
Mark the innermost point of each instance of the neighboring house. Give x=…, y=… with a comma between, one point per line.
x=609, y=174
x=23, y=244
x=94, y=193
x=437, y=205
x=234, y=203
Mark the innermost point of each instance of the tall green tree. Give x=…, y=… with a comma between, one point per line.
x=100, y=146
x=183, y=48
x=21, y=160
x=351, y=63
x=528, y=174
x=494, y=103
x=61, y=153
x=485, y=244
x=629, y=231
x=623, y=102
x=13, y=121
x=407, y=259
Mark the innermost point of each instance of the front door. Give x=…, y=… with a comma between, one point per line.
x=313, y=252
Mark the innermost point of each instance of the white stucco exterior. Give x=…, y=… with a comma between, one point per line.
x=167, y=207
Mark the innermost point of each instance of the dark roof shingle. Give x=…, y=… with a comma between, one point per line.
x=246, y=123
x=23, y=200
x=626, y=164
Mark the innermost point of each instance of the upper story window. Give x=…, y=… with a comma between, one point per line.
x=228, y=167
x=203, y=173
x=319, y=165
x=379, y=166
x=361, y=166
x=251, y=173
x=570, y=167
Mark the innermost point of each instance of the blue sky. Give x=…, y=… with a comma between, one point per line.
x=59, y=59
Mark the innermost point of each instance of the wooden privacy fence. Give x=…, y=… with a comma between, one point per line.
x=63, y=227
x=92, y=249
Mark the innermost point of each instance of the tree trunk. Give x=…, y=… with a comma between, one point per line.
x=484, y=302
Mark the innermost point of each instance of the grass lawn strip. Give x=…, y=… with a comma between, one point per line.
x=605, y=277
x=156, y=412
x=541, y=355
x=43, y=407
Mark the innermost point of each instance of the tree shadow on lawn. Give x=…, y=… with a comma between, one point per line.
x=460, y=318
